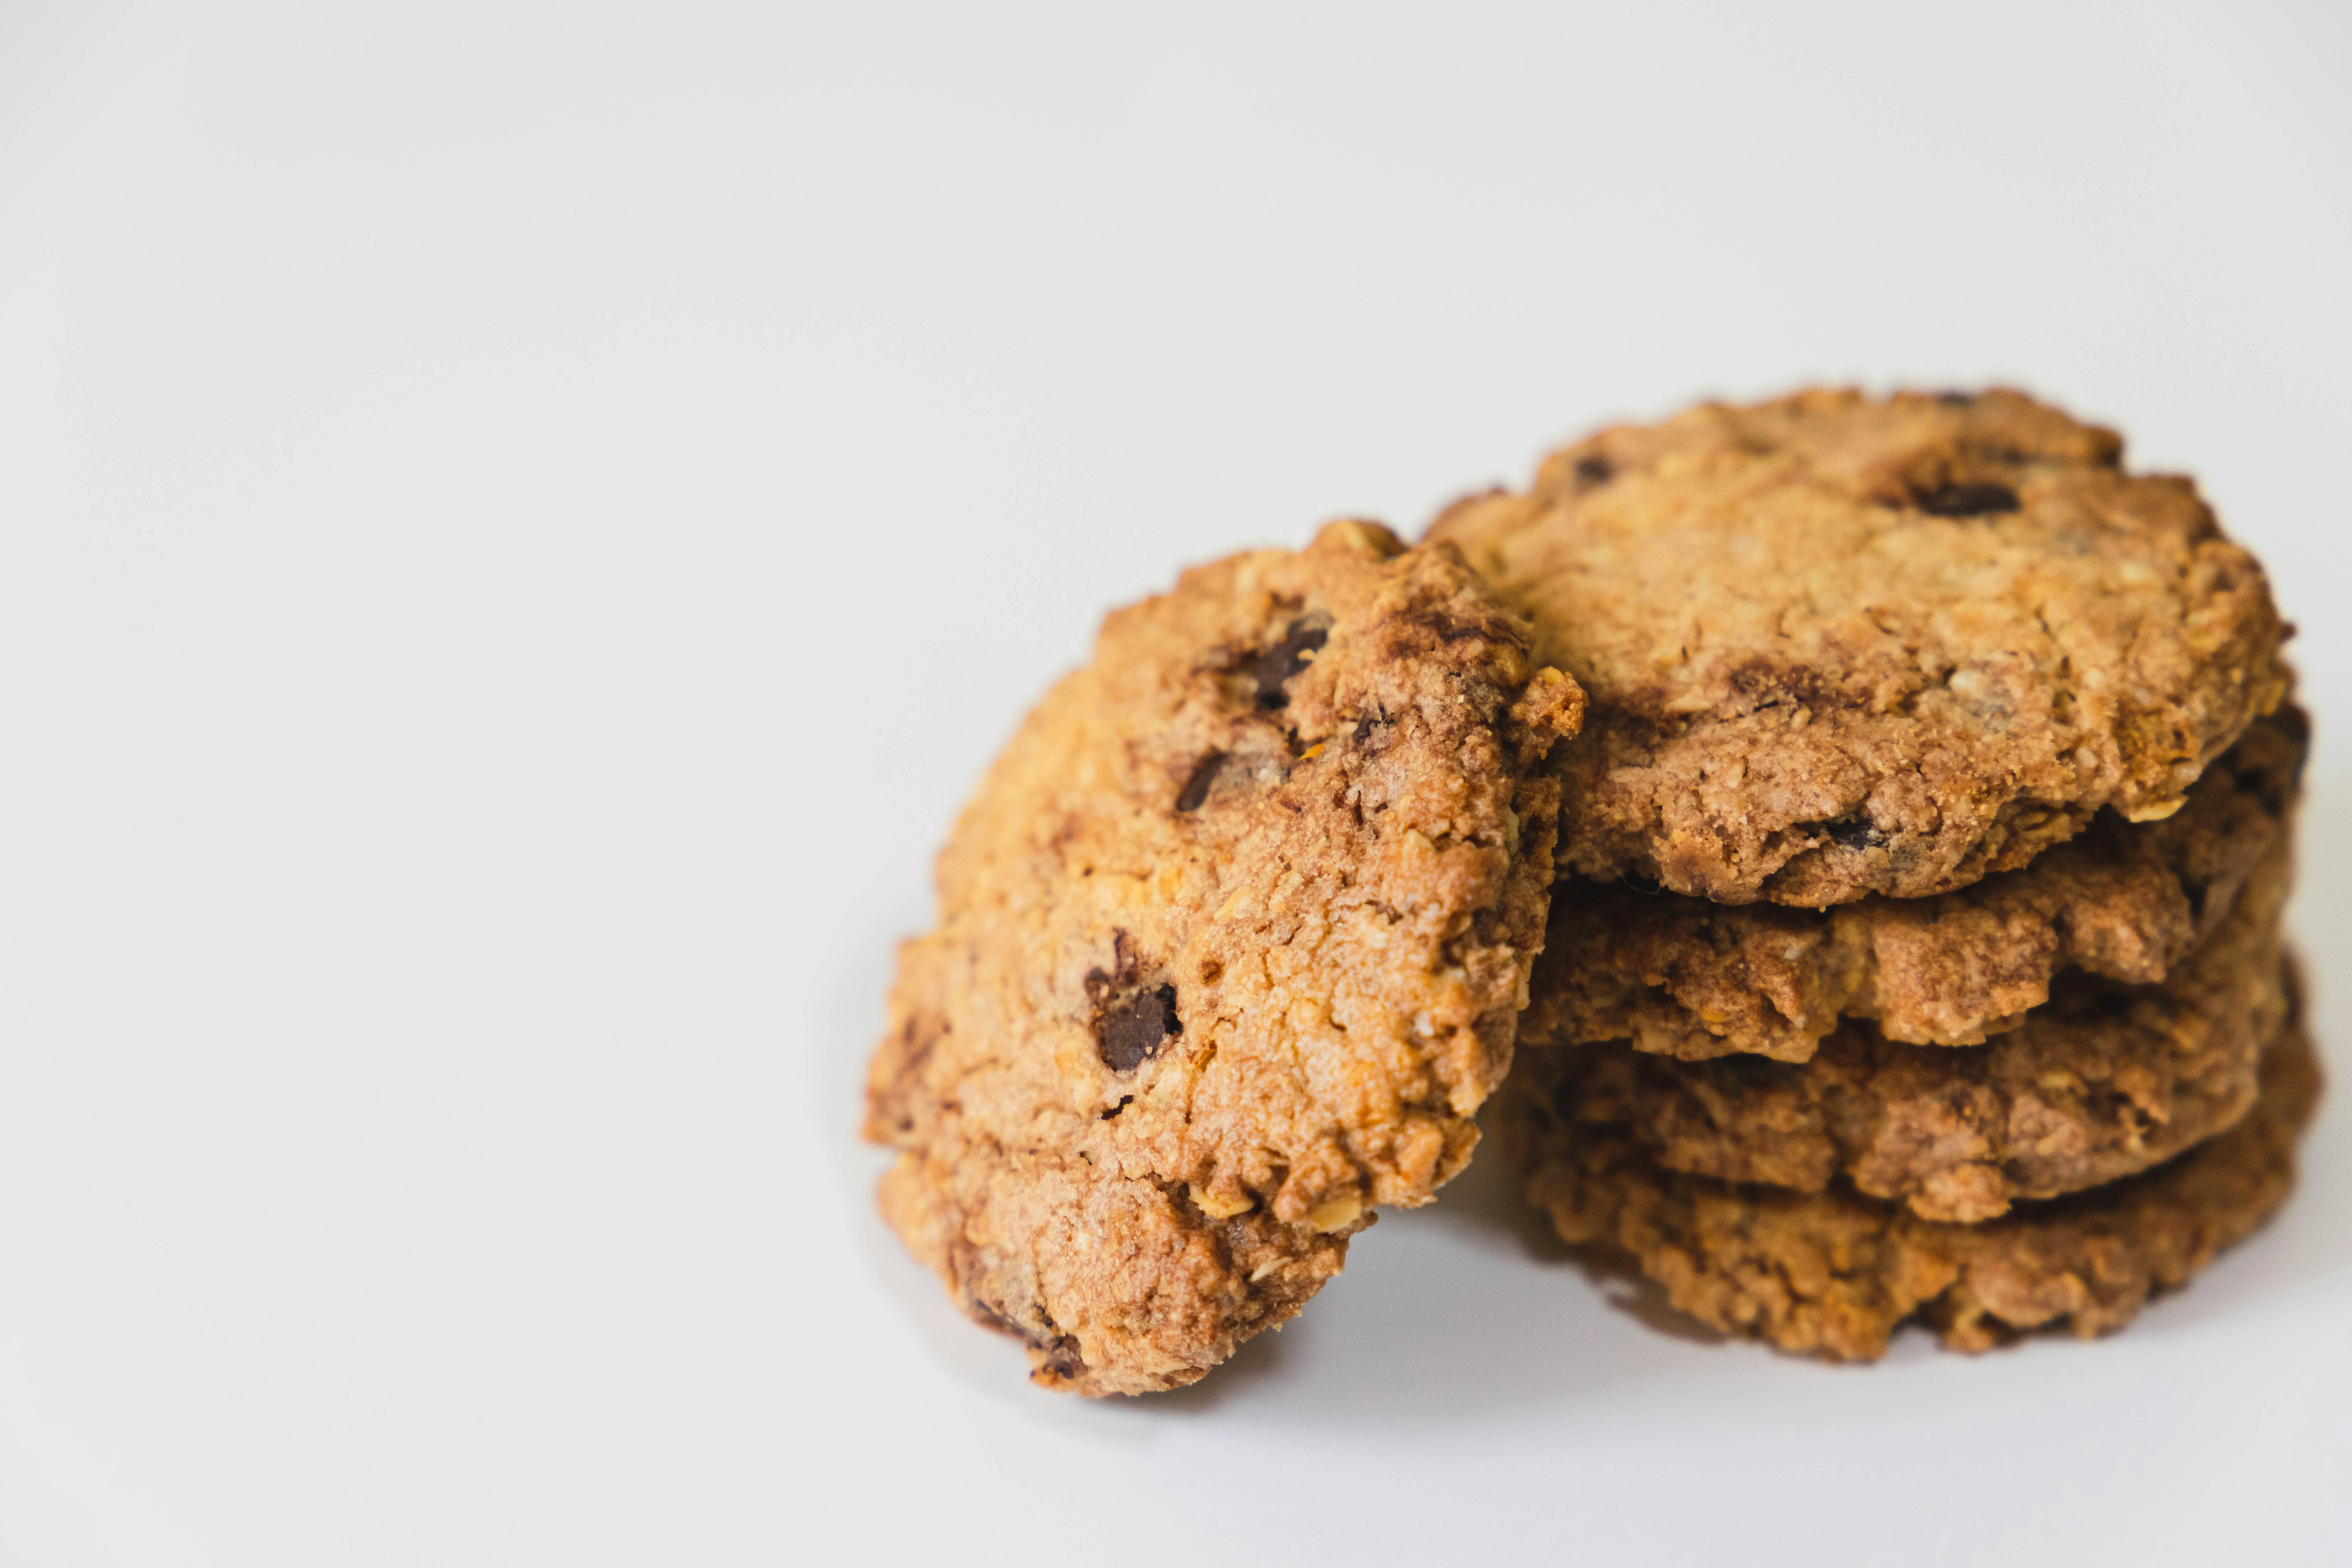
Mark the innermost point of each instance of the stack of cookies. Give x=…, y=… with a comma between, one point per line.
x=1917, y=949
x=1865, y=823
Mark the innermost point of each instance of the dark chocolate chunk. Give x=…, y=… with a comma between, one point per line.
x=1130, y=1032
x=1592, y=468
x=1286, y=659
x=1853, y=832
x=1196, y=789
x=1968, y=499
x=1062, y=1357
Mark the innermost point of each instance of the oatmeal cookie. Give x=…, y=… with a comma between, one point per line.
x=2103, y=1081
x=1838, y=645
x=1231, y=942
x=1685, y=978
x=1833, y=1273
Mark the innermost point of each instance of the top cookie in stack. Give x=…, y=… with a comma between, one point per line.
x=1914, y=722
x=1838, y=646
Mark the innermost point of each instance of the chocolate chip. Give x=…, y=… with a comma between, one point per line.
x=1966, y=499
x=1062, y=1357
x=1286, y=659
x=1649, y=887
x=1196, y=789
x=1130, y=1032
x=1955, y=399
x=1592, y=468
x=1853, y=832
x=1124, y=1102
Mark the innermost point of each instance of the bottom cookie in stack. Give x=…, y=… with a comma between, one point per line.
x=1834, y=1272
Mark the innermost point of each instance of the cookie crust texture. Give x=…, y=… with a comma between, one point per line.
x=1833, y=1274
x=1693, y=980
x=1838, y=645
x=1231, y=942
x=2104, y=1082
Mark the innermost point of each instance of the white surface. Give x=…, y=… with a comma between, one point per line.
x=518, y=527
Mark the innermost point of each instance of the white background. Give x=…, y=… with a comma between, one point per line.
x=518, y=525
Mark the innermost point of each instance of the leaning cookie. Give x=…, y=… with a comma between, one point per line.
x=1690, y=979
x=1231, y=947
x=1833, y=1274
x=2103, y=1083
x=1838, y=645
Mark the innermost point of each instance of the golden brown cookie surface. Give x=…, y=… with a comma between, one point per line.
x=1231, y=947
x=1694, y=980
x=1837, y=645
x=1833, y=1273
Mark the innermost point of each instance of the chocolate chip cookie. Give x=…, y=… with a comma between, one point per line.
x=1231, y=947
x=1685, y=978
x=1833, y=1273
x=1838, y=645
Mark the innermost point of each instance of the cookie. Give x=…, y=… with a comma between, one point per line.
x=1833, y=1273
x=1838, y=645
x=1231, y=942
x=1685, y=978
x=2103, y=1081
